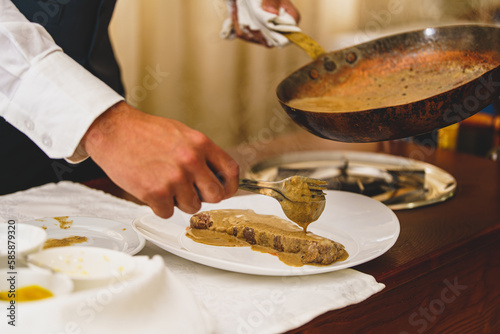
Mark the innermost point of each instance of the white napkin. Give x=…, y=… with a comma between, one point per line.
x=237, y=303
x=251, y=16
x=68, y=199
x=153, y=300
x=254, y=304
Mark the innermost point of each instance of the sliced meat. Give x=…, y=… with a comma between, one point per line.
x=272, y=232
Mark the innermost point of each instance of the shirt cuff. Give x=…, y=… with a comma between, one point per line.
x=55, y=103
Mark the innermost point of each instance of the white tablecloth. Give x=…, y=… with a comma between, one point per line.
x=235, y=303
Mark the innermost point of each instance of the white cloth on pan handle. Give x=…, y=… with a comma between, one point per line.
x=251, y=16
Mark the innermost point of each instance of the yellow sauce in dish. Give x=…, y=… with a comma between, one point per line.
x=26, y=294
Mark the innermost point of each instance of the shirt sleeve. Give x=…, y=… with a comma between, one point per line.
x=43, y=92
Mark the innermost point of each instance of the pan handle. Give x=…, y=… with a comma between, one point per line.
x=306, y=43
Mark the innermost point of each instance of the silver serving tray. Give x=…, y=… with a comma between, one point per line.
x=437, y=185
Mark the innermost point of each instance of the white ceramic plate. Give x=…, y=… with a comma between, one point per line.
x=363, y=225
x=103, y=233
x=26, y=238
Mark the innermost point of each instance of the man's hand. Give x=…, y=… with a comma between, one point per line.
x=160, y=161
x=271, y=6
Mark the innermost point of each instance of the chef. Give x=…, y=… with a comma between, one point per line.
x=64, y=116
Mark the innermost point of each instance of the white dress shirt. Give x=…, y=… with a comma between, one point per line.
x=43, y=92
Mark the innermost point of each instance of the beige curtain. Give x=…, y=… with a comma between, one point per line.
x=175, y=65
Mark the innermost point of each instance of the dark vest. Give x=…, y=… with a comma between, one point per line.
x=80, y=28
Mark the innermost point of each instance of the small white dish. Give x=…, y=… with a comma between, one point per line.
x=99, y=232
x=88, y=267
x=57, y=284
x=18, y=240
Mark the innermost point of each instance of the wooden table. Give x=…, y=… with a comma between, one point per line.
x=442, y=275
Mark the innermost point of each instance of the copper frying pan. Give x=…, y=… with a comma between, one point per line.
x=396, y=86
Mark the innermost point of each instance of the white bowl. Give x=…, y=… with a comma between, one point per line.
x=88, y=267
x=58, y=284
x=25, y=238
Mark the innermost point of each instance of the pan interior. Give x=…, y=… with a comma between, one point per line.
x=397, y=78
